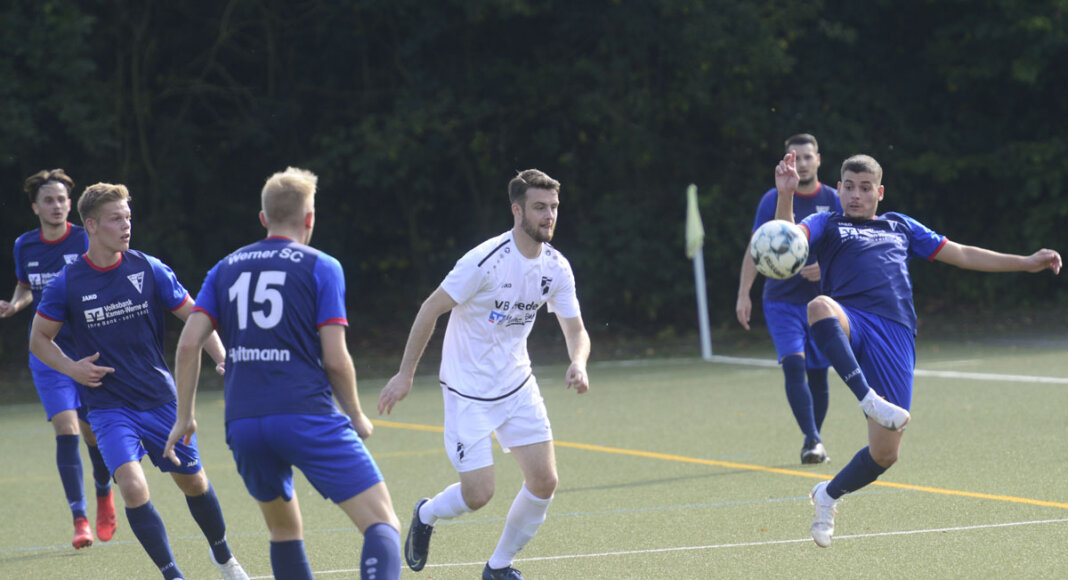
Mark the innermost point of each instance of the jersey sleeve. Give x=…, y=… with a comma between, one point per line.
x=814, y=225
x=206, y=298
x=330, y=290
x=766, y=208
x=465, y=278
x=924, y=242
x=564, y=301
x=169, y=290
x=53, y=305
x=20, y=267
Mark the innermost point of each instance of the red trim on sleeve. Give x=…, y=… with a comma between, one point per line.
x=57, y=240
x=187, y=299
x=808, y=234
x=214, y=322
x=938, y=249
x=341, y=321
x=47, y=317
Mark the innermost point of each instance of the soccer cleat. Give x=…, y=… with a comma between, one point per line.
x=231, y=569
x=813, y=452
x=508, y=573
x=83, y=536
x=417, y=545
x=884, y=412
x=823, y=523
x=105, y=516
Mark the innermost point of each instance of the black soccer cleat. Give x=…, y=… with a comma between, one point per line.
x=417, y=545
x=508, y=573
x=813, y=452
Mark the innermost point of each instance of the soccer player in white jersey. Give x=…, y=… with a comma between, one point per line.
x=494, y=293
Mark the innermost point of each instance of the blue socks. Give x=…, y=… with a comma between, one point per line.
x=381, y=556
x=69, y=463
x=101, y=474
x=208, y=515
x=860, y=471
x=832, y=342
x=148, y=527
x=817, y=386
x=289, y=562
x=799, y=396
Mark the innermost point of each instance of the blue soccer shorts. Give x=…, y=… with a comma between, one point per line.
x=788, y=326
x=886, y=352
x=324, y=447
x=57, y=391
x=126, y=435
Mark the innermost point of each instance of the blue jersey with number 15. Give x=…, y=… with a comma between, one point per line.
x=268, y=301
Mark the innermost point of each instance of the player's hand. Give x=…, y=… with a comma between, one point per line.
x=89, y=374
x=743, y=309
x=395, y=390
x=220, y=369
x=786, y=177
x=182, y=431
x=363, y=426
x=577, y=378
x=1046, y=260
x=6, y=309
x=811, y=272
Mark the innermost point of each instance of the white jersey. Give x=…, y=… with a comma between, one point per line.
x=498, y=292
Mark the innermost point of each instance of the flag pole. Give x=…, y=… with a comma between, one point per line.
x=695, y=241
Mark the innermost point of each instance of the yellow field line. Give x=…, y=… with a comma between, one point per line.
x=749, y=467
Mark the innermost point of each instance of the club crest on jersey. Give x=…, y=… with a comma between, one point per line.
x=138, y=280
x=823, y=208
x=70, y=258
x=545, y=285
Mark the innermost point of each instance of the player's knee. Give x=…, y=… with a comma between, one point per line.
x=885, y=458
x=543, y=486
x=476, y=496
x=819, y=308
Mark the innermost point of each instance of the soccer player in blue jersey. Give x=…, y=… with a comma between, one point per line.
x=784, y=302
x=864, y=320
x=114, y=299
x=40, y=255
x=279, y=305
x=493, y=295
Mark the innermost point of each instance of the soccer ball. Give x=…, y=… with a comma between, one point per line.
x=779, y=249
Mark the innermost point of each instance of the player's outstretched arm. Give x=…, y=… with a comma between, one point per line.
x=743, y=308
x=439, y=302
x=43, y=345
x=983, y=260
x=198, y=327
x=578, y=348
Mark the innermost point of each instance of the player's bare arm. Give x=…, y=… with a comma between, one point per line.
x=212, y=345
x=578, y=348
x=786, y=180
x=195, y=333
x=20, y=298
x=983, y=260
x=337, y=362
x=743, y=308
x=43, y=346
x=439, y=302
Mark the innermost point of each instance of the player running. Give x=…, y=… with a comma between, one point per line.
x=280, y=307
x=114, y=300
x=40, y=255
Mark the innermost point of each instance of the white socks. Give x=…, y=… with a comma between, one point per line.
x=524, y=518
x=446, y=505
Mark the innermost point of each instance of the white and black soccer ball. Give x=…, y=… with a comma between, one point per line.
x=779, y=249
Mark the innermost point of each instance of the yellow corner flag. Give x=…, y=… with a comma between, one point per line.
x=695, y=230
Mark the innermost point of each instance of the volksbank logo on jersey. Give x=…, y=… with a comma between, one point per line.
x=70, y=258
x=496, y=317
x=138, y=280
x=94, y=315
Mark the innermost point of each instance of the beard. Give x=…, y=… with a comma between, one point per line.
x=535, y=232
x=806, y=182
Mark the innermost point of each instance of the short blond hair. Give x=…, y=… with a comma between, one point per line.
x=99, y=194
x=286, y=193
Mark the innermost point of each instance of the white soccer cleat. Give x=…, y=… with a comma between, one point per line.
x=823, y=523
x=231, y=570
x=885, y=413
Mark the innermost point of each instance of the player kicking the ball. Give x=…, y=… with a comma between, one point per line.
x=494, y=293
x=865, y=321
